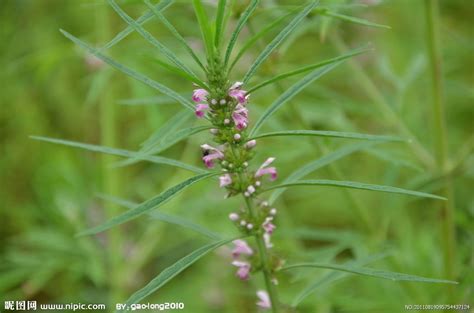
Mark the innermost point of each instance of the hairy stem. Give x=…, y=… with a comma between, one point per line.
x=440, y=130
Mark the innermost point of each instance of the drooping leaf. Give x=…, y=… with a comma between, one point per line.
x=240, y=24
x=174, y=32
x=221, y=6
x=161, y=6
x=252, y=40
x=371, y=272
x=167, y=218
x=321, y=162
x=327, y=133
x=307, y=68
x=290, y=93
x=356, y=185
x=153, y=41
x=169, y=273
x=121, y=152
x=140, y=77
x=278, y=39
x=147, y=206
x=203, y=21
x=353, y=19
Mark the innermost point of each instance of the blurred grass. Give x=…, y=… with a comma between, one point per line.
x=47, y=192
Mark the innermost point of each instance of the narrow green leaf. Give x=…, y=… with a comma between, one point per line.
x=170, y=219
x=352, y=19
x=140, y=77
x=327, y=133
x=172, y=125
x=251, y=41
x=174, y=32
x=169, y=273
x=180, y=72
x=203, y=21
x=307, y=68
x=356, y=185
x=161, y=6
x=331, y=277
x=157, y=100
x=147, y=206
x=121, y=152
x=152, y=40
x=240, y=24
x=321, y=162
x=278, y=39
x=371, y=272
x=219, y=21
x=290, y=93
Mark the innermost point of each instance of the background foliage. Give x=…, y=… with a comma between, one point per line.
x=48, y=193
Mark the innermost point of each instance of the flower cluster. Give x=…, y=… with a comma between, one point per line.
x=226, y=109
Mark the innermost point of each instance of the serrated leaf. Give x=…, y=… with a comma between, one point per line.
x=240, y=24
x=140, y=77
x=252, y=40
x=169, y=273
x=321, y=162
x=174, y=32
x=147, y=206
x=121, y=152
x=371, y=272
x=353, y=19
x=203, y=21
x=153, y=41
x=278, y=39
x=307, y=68
x=290, y=93
x=327, y=133
x=356, y=185
x=161, y=6
x=167, y=218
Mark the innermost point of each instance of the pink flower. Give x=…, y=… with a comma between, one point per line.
x=244, y=269
x=268, y=225
x=211, y=154
x=225, y=180
x=263, y=170
x=240, y=116
x=200, y=95
x=241, y=247
x=201, y=109
x=250, y=144
x=264, y=302
x=237, y=93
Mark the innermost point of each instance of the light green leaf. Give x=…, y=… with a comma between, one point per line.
x=221, y=6
x=278, y=39
x=352, y=19
x=240, y=24
x=356, y=185
x=307, y=68
x=327, y=133
x=153, y=41
x=169, y=273
x=121, y=152
x=203, y=21
x=147, y=206
x=161, y=6
x=174, y=32
x=157, y=100
x=140, y=77
x=371, y=272
x=180, y=72
x=321, y=162
x=290, y=93
x=251, y=41
x=170, y=219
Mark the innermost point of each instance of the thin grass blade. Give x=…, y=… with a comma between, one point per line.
x=121, y=152
x=353, y=19
x=140, y=77
x=356, y=185
x=278, y=39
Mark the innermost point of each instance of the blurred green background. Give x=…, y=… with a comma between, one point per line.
x=48, y=192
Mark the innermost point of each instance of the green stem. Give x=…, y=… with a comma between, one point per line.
x=440, y=130
x=262, y=251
